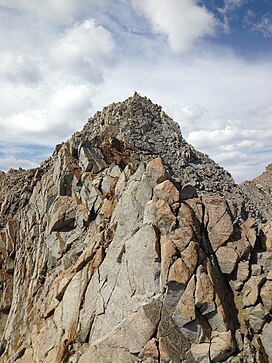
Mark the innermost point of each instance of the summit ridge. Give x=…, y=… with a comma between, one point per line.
x=128, y=245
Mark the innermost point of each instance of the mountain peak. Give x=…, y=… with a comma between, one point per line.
x=148, y=132
x=112, y=238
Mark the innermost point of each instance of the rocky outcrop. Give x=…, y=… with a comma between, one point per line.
x=257, y=195
x=117, y=259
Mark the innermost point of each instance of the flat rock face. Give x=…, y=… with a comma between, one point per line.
x=114, y=259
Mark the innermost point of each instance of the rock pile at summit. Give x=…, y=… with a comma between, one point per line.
x=128, y=245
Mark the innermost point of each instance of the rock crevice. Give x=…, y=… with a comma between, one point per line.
x=128, y=245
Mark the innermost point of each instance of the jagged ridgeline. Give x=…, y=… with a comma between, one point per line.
x=128, y=245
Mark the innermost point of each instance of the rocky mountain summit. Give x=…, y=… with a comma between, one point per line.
x=128, y=245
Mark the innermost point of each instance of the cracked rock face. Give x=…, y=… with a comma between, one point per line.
x=110, y=257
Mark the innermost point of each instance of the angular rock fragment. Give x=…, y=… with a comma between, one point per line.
x=129, y=245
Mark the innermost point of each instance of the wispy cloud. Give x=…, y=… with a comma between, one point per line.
x=227, y=11
x=257, y=24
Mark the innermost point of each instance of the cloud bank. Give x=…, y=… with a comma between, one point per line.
x=60, y=61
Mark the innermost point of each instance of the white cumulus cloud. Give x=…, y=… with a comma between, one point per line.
x=83, y=51
x=18, y=69
x=181, y=21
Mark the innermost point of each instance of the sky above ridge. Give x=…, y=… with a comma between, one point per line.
x=208, y=63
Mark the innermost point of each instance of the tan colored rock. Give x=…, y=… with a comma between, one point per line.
x=197, y=207
x=256, y=316
x=243, y=271
x=242, y=247
x=179, y=272
x=181, y=237
x=190, y=256
x=218, y=220
x=256, y=270
x=201, y=352
x=167, y=191
x=269, y=275
x=204, y=293
x=227, y=259
x=165, y=218
x=149, y=353
x=102, y=260
x=242, y=274
x=222, y=346
x=185, y=309
x=127, y=338
x=267, y=238
x=183, y=268
x=168, y=253
x=251, y=290
x=266, y=340
x=249, y=231
x=149, y=213
x=189, y=228
x=155, y=171
x=264, y=259
x=266, y=295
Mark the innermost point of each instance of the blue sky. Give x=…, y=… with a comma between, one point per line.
x=208, y=63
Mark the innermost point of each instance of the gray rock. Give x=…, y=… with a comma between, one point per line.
x=266, y=339
x=188, y=192
x=256, y=315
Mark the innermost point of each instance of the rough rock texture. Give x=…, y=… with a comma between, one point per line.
x=112, y=257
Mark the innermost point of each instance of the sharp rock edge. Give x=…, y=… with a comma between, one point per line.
x=128, y=245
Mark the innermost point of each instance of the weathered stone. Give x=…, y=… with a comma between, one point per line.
x=197, y=207
x=201, y=352
x=218, y=221
x=241, y=276
x=64, y=215
x=193, y=331
x=91, y=158
x=242, y=247
x=189, y=227
x=167, y=191
x=155, y=171
x=204, y=294
x=256, y=316
x=266, y=339
x=150, y=351
x=183, y=268
x=251, y=290
x=106, y=184
x=266, y=295
x=243, y=271
x=264, y=259
x=179, y=272
x=165, y=218
x=168, y=253
x=222, y=346
x=227, y=259
x=114, y=171
x=249, y=230
x=185, y=309
x=188, y=192
x=256, y=270
x=149, y=213
x=107, y=255
x=267, y=235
